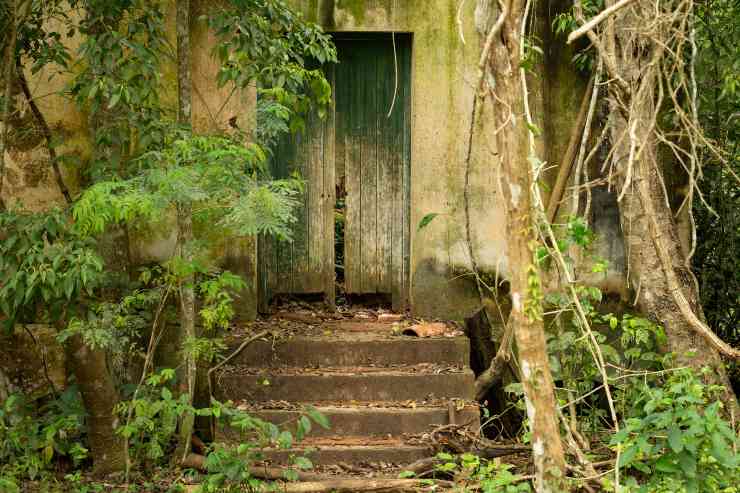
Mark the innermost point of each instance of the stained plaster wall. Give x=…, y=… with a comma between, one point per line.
x=29, y=181
x=443, y=75
x=444, y=71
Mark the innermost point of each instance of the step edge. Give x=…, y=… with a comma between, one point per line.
x=380, y=370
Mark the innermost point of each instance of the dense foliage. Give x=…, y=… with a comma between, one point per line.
x=673, y=433
x=718, y=212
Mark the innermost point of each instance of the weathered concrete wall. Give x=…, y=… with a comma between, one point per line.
x=444, y=71
x=29, y=180
x=33, y=360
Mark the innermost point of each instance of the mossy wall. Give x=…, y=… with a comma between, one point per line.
x=444, y=72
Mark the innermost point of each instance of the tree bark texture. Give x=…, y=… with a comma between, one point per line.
x=185, y=228
x=658, y=268
x=8, y=80
x=526, y=313
x=100, y=398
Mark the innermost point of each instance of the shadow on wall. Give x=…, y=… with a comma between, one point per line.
x=439, y=292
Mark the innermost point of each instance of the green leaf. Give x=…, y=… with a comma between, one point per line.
x=674, y=439
x=426, y=220
x=687, y=463
x=317, y=417
x=48, y=453
x=114, y=100
x=626, y=457
x=285, y=440
x=303, y=463
x=667, y=464
x=305, y=424
x=444, y=456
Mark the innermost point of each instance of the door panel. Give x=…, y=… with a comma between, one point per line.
x=373, y=149
x=305, y=265
x=369, y=148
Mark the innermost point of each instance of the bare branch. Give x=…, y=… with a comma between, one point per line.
x=598, y=19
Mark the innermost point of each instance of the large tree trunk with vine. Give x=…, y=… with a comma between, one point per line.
x=100, y=398
x=185, y=229
x=659, y=271
x=512, y=140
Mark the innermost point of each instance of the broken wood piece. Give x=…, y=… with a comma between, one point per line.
x=426, y=329
x=316, y=483
x=390, y=317
x=564, y=168
x=300, y=316
x=197, y=461
x=358, y=485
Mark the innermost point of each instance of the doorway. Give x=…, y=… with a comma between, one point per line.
x=356, y=163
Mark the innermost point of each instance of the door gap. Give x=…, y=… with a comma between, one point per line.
x=340, y=220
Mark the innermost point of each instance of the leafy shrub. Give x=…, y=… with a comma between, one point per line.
x=676, y=437
x=473, y=473
x=31, y=438
x=229, y=467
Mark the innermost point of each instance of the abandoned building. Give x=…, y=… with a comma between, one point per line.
x=391, y=153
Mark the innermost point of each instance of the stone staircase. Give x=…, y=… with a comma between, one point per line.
x=379, y=391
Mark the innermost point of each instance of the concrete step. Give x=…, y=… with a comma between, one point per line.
x=369, y=421
x=350, y=450
x=344, y=384
x=359, y=350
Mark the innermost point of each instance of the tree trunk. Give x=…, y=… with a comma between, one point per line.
x=6, y=388
x=100, y=398
x=8, y=79
x=185, y=229
x=512, y=139
x=658, y=268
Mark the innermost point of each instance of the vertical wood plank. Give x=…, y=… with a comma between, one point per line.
x=406, y=189
x=398, y=229
x=329, y=195
x=354, y=118
x=369, y=177
x=387, y=182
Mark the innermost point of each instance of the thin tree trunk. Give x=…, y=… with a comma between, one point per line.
x=9, y=79
x=6, y=388
x=185, y=228
x=526, y=313
x=100, y=398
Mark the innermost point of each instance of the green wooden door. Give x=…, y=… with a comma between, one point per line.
x=373, y=136
x=306, y=264
x=365, y=143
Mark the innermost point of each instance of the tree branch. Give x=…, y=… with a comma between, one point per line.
x=8, y=56
x=45, y=130
x=566, y=165
x=597, y=19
